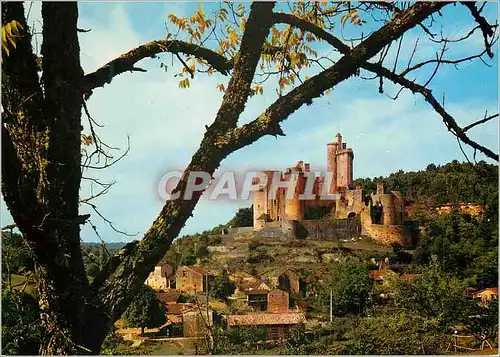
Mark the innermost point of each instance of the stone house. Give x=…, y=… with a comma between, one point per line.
x=192, y=279
x=162, y=277
x=257, y=299
x=288, y=281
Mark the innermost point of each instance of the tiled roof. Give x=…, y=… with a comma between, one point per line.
x=170, y=296
x=199, y=270
x=175, y=319
x=494, y=291
x=266, y=319
x=174, y=308
x=376, y=274
x=278, y=292
x=257, y=292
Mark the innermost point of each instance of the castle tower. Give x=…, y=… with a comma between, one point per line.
x=294, y=208
x=331, y=166
x=340, y=163
x=345, y=157
x=261, y=206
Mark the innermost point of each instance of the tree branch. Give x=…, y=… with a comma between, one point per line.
x=127, y=61
x=128, y=269
x=486, y=28
x=482, y=121
x=268, y=123
x=265, y=123
x=449, y=121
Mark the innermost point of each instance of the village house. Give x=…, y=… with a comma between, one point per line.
x=192, y=279
x=277, y=319
x=257, y=299
x=162, y=277
x=277, y=301
x=289, y=281
x=472, y=209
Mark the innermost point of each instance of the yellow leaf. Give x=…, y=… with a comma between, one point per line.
x=220, y=87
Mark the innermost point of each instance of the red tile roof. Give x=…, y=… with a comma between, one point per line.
x=494, y=291
x=376, y=274
x=174, y=308
x=266, y=319
x=257, y=292
x=198, y=270
x=170, y=296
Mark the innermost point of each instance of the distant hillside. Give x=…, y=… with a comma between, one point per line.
x=110, y=246
x=437, y=185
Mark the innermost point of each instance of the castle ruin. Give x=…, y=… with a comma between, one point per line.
x=379, y=215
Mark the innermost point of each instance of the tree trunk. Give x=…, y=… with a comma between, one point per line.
x=41, y=166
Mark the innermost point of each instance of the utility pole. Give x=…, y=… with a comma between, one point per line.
x=331, y=305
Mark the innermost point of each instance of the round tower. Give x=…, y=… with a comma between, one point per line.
x=294, y=208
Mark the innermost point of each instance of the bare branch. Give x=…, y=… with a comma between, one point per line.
x=448, y=120
x=486, y=28
x=482, y=121
x=126, y=61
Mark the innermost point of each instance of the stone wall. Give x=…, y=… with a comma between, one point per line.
x=313, y=229
x=238, y=230
x=386, y=234
x=277, y=302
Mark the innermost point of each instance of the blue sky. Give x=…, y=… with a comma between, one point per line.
x=166, y=123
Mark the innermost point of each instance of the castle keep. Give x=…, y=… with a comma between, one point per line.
x=351, y=213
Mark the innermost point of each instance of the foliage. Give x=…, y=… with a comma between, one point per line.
x=95, y=257
x=242, y=218
x=11, y=31
x=22, y=332
x=464, y=245
x=145, y=310
x=241, y=340
x=259, y=255
x=350, y=286
x=221, y=287
x=386, y=332
x=433, y=293
x=443, y=184
x=16, y=258
x=482, y=321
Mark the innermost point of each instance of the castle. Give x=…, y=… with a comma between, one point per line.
x=379, y=215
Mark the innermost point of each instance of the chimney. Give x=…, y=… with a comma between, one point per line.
x=344, y=145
